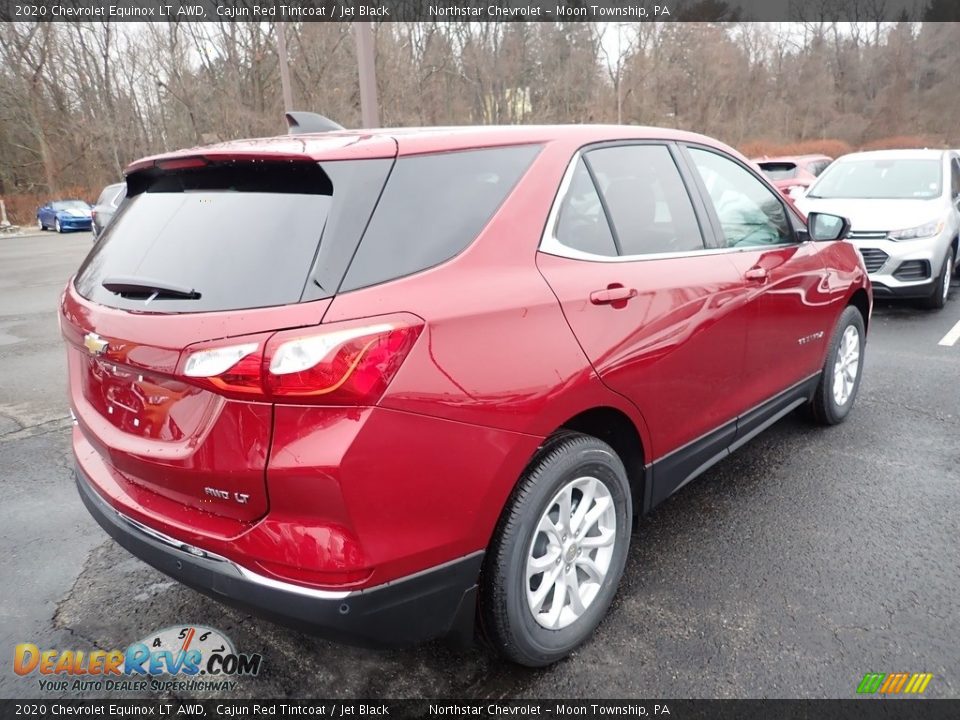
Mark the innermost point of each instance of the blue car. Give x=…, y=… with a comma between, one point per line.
x=64, y=215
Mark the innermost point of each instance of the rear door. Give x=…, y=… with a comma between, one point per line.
x=653, y=308
x=206, y=254
x=790, y=310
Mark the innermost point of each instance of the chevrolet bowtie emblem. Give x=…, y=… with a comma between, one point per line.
x=95, y=344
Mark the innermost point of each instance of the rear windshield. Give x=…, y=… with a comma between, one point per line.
x=238, y=235
x=779, y=171
x=233, y=236
x=111, y=194
x=891, y=179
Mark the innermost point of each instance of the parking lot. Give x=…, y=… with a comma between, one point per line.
x=805, y=560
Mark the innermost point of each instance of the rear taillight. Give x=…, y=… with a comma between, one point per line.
x=232, y=369
x=346, y=363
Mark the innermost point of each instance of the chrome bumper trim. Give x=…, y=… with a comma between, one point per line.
x=239, y=569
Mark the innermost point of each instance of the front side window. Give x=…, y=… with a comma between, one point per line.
x=648, y=204
x=750, y=214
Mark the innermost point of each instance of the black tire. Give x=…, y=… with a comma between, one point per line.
x=56, y=225
x=938, y=298
x=40, y=224
x=506, y=617
x=824, y=407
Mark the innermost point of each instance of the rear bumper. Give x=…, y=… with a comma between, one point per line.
x=439, y=601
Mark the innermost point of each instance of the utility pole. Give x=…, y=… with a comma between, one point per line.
x=369, y=112
x=284, y=68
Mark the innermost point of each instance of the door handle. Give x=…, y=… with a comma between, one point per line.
x=757, y=274
x=615, y=294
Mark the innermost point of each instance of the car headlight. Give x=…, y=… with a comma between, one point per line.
x=921, y=231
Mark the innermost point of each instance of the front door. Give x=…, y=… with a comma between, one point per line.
x=790, y=311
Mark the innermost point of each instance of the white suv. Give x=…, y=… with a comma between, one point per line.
x=904, y=211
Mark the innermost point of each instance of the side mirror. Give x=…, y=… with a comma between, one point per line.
x=824, y=227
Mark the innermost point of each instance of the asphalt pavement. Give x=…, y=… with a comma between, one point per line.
x=808, y=558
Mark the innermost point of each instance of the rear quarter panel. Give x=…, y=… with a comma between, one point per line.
x=496, y=353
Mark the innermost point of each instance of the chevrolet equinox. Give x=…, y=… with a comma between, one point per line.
x=394, y=385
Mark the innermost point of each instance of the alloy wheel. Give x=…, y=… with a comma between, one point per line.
x=570, y=553
x=846, y=366
x=945, y=280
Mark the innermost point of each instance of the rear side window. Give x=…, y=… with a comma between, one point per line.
x=582, y=224
x=238, y=234
x=432, y=208
x=818, y=167
x=649, y=207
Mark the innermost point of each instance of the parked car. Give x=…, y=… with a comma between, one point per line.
x=793, y=174
x=904, y=207
x=107, y=205
x=377, y=382
x=64, y=215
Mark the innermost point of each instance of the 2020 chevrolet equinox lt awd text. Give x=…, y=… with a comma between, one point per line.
x=384, y=384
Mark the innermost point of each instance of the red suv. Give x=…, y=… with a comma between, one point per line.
x=383, y=383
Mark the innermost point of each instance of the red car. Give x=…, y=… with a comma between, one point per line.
x=381, y=384
x=793, y=174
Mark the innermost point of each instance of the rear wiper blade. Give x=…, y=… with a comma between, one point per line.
x=148, y=288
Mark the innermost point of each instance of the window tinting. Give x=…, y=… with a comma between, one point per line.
x=819, y=167
x=648, y=203
x=432, y=208
x=749, y=213
x=781, y=171
x=242, y=235
x=581, y=223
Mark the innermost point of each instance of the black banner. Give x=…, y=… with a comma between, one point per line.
x=857, y=709
x=476, y=10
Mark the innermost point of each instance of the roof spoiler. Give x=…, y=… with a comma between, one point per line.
x=299, y=122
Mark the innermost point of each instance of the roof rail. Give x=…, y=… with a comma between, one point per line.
x=307, y=122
